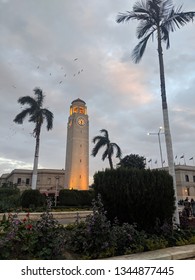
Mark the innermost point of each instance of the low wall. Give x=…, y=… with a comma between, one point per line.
x=62, y=217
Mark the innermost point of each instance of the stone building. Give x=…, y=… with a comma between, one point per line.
x=49, y=181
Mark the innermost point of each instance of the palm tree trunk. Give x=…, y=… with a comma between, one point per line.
x=35, y=166
x=168, y=139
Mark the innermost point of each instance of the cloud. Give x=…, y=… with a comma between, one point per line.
x=38, y=44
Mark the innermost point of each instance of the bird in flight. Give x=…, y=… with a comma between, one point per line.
x=75, y=59
x=60, y=82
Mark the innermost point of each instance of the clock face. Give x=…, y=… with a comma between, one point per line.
x=81, y=121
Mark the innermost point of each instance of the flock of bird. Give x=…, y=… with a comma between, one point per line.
x=79, y=71
x=12, y=129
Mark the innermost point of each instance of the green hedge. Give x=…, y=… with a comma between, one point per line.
x=136, y=196
x=75, y=198
x=32, y=199
x=9, y=198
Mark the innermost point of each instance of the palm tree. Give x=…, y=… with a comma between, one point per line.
x=102, y=141
x=158, y=17
x=37, y=115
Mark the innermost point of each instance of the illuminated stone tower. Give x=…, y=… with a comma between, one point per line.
x=77, y=147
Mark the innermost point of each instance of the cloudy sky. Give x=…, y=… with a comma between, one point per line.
x=39, y=40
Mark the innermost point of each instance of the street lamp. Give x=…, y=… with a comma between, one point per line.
x=158, y=134
x=56, y=192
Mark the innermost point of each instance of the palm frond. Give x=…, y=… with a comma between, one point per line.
x=141, y=7
x=101, y=142
x=27, y=100
x=22, y=115
x=40, y=97
x=105, y=154
x=140, y=49
x=125, y=17
x=105, y=133
x=118, y=150
x=165, y=8
x=177, y=19
x=96, y=138
x=144, y=27
x=49, y=118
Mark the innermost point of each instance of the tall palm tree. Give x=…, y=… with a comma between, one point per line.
x=102, y=141
x=158, y=17
x=37, y=115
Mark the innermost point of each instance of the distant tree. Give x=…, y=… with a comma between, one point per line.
x=133, y=161
x=104, y=141
x=157, y=18
x=37, y=115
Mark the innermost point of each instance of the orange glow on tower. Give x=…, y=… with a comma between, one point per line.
x=77, y=147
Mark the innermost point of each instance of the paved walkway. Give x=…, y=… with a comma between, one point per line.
x=172, y=253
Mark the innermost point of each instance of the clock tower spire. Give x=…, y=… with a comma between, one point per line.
x=77, y=147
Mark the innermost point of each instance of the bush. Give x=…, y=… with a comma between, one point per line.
x=32, y=199
x=93, y=239
x=28, y=239
x=9, y=198
x=136, y=196
x=75, y=198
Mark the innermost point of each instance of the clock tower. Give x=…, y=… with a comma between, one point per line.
x=77, y=147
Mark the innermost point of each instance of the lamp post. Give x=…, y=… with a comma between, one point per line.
x=56, y=191
x=159, y=141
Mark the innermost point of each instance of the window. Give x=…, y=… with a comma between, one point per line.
x=19, y=181
x=27, y=181
x=187, y=191
x=187, y=178
x=75, y=109
x=194, y=179
x=81, y=110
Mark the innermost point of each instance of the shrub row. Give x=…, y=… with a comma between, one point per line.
x=10, y=198
x=144, y=197
x=75, y=198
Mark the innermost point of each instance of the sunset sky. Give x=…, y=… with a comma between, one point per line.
x=39, y=41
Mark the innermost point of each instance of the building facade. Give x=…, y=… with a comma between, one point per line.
x=77, y=147
x=185, y=180
x=49, y=181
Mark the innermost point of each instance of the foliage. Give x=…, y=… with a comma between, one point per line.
x=95, y=238
x=98, y=238
x=136, y=196
x=37, y=115
x=92, y=237
x=133, y=161
x=75, y=197
x=157, y=19
x=9, y=198
x=28, y=239
x=104, y=141
x=32, y=199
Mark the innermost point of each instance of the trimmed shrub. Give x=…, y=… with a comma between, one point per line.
x=32, y=199
x=9, y=198
x=144, y=197
x=85, y=197
x=68, y=197
x=75, y=198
